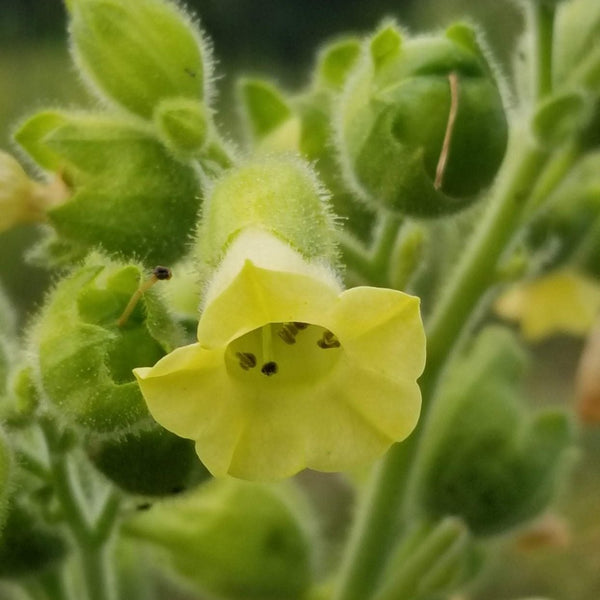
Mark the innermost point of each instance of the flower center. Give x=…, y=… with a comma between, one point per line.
x=291, y=352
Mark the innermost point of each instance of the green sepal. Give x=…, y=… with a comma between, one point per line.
x=264, y=107
x=27, y=545
x=560, y=118
x=22, y=398
x=234, y=539
x=31, y=134
x=280, y=194
x=335, y=61
x=85, y=358
x=485, y=458
x=385, y=45
x=130, y=196
x=151, y=462
x=182, y=125
x=393, y=120
x=138, y=53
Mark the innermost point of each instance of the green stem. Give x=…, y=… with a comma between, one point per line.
x=373, y=264
x=541, y=24
x=90, y=539
x=378, y=521
x=553, y=173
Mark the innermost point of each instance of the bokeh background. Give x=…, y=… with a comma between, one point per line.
x=278, y=39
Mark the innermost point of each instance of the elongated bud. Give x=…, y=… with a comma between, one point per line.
x=233, y=539
x=421, y=127
x=278, y=194
x=138, y=53
x=85, y=350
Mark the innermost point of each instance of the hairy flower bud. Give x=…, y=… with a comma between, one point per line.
x=421, y=128
x=233, y=539
x=88, y=338
x=138, y=53
x=129, y=195
x=152, y=462
x=485, y=459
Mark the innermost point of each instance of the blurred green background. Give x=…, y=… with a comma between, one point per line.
x=278, y=39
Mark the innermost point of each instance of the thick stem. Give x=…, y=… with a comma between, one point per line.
x=378, y=521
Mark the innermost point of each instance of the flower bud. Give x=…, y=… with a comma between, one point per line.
x=485, y=459
x=232, y=539
x=130, y=196
x=421, y=127
x=151, y=462
x=138, y=53
x=278, y=194
x=27, y=544
x=182, y=125
x=85, y=345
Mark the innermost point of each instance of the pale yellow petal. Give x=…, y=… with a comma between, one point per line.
x=348, y=420
x=259, y=296
x=382, y=330
x=190, y=393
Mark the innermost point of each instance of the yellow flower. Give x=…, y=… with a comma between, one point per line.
x=560, y=302
x=290, y=371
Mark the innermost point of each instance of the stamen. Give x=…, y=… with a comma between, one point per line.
x=158, y=274
x=269, y=368
x=288, y=333
x=300, y=326
x=329, y=340
x=247, y=360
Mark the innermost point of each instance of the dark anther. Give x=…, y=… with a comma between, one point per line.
x=144, y=506
x=269, y=368
x=162, y=273
x=247, y=360
x=328, y=341
x=288, y=333
x=177, y=489
x=298, y=325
